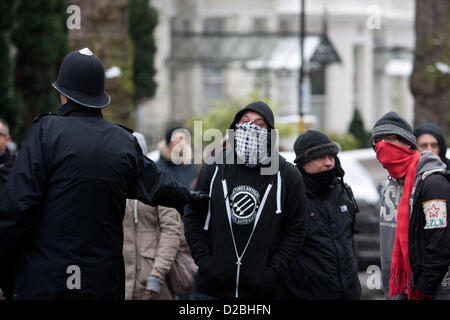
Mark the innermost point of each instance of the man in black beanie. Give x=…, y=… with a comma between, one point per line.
x=325, y=267
x=414, y=233
x=430, y=137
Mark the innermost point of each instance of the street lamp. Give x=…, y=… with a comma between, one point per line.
x=301, y=127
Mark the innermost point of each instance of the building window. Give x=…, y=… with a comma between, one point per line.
x=317, y=78
x=262, y=82
x=213, y=25
x=357, y=75
x=285, y=25
x=186, y=25
x=260, y=25
x=213, y=84
x=395, y=93
x=287, y=91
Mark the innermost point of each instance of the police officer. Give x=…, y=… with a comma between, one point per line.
x=63, y=205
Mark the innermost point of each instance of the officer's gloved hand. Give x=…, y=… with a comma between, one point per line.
x=199, y=199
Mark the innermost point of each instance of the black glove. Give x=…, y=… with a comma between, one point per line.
x=199, y=199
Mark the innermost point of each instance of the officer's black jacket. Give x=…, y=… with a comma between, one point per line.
x=63, y=205
x=5, y=168
x=325, y=267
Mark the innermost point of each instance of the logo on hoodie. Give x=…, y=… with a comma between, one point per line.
x=244, y=204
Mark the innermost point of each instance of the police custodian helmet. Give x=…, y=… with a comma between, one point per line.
x=81, y=78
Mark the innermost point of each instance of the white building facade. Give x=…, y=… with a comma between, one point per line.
x=212, y=49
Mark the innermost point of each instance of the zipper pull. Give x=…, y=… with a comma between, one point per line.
x=238, y=271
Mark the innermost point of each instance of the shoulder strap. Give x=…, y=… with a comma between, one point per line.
x=350, y=194
x=157, y=227
x=40, y=116
x=123, y=127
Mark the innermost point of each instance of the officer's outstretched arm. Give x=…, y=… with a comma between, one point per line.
x=155, y=187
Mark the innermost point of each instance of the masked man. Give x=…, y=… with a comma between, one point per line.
x=255, y=222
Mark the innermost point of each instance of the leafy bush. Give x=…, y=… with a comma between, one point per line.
x=347, y=141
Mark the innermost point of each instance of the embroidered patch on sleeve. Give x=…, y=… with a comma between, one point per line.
x=435, y=213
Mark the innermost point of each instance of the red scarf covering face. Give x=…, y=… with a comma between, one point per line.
x=400, y=162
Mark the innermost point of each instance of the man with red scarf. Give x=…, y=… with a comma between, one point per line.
x=414, y=231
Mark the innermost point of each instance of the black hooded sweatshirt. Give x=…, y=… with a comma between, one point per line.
x=244, y=240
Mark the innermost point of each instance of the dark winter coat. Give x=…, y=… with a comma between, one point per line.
x=266, y=216
x=5, y=167
x=429, y=242
x=325, y=268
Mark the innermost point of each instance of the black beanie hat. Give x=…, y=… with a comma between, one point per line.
x=260, y=107
x=311, y=145
x=433, y=129
x=392, y=123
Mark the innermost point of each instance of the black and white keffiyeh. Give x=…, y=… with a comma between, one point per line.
x=252, y=144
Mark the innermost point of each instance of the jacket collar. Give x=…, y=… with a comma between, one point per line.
x=73, y=109
x=5, y=156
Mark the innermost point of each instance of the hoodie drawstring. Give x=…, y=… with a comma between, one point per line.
x=278, y=193
x=258, y=214
x=135, y=209
x=208, y=217
x=135, y=212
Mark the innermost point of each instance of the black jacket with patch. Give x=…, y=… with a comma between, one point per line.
x=242, y=245
x=429, y=234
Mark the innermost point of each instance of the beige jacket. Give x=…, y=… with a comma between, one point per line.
x=141, y=250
